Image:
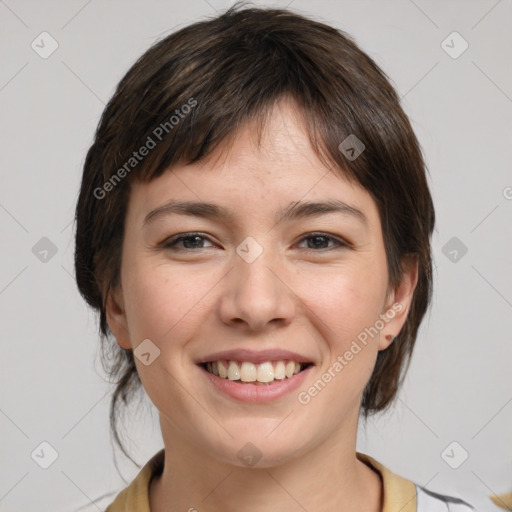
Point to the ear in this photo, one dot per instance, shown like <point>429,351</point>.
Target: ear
<point>399,301</point>
<point>116,318</point>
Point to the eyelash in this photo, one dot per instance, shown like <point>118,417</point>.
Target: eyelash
<point>172,242</point>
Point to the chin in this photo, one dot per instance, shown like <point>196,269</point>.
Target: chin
<point>253,449</point>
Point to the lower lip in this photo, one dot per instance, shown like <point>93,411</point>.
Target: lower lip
<point>248,392</point>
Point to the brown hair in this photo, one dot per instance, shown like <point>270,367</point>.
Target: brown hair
<point>228,70</point>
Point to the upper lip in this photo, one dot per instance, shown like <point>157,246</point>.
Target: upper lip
<point>254,356</point>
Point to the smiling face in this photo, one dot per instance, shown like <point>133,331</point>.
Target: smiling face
<point>258,275</point>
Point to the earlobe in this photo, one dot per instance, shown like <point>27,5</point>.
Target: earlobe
<point>399,302</point>
<point>388,339</point>
<point>116,319</point>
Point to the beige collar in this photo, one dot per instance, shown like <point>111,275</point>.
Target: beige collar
<point>399,493</point>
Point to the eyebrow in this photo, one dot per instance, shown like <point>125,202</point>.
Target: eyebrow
<point>295,210</point>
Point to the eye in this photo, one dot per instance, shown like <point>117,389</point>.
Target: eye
<point>190,241</point>
<point>316,242</point>
<point>320,240</point>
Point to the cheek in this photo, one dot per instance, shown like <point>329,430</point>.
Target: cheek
<point>346,302</point>
<point>347,305</point>
<point>162,305</point>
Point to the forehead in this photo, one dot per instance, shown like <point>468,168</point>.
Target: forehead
<point>256,175</point>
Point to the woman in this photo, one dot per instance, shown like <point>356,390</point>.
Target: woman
<point>253,228</point>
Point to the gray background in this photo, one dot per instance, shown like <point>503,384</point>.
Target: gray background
<point>459,387</point>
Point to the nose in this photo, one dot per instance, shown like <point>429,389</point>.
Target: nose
<point>256,294</point>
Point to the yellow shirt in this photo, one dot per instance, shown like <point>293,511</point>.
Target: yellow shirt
<point>400,495</point>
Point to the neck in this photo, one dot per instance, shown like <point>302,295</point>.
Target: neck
<point>325,479</point>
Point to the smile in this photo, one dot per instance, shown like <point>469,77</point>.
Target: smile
<point>248,372</point>
<point>241,380</point>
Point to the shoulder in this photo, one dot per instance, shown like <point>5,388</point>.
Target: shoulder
<point>401,494</point>
<point>135,497</point>
<point>428,501</point>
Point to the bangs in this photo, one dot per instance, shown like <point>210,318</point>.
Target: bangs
<point>185,102</point>
<point>197,140</point>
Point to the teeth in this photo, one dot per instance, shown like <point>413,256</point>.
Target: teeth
<point>223,369</point>
<point>279,370</point>
<point>265,372</point>
<point>233,371</point>
<point>249,372</point>
<point>290,368</point>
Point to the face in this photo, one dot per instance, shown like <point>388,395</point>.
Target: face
<point>265,285</point>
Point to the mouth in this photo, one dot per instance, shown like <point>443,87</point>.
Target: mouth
<point>266,373</point>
